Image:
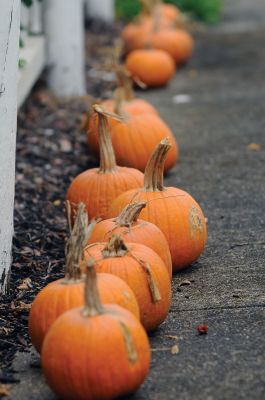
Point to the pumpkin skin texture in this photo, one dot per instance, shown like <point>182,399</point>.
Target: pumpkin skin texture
<point>174,211</point>
<point>151,66</point>
<point>98,187</point>
<point>140,134</point>
<point>132,107</point>
<point>177,42</point>
<point>95,352</point>
<point>60,296</point>
<point>134,230</point>
<point>153,308</point>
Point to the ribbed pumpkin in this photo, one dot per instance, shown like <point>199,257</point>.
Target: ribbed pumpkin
<point>151,66</point>
<point>67,293</point>
<point>142,269</point>
<point>95,352</point>
<point>98,187</point>
<point>134,230</point>
<point>158,35</point>
<point>135,136</point>
<point>163,15</point>
<point>123,103</point>
<point>173,210</point>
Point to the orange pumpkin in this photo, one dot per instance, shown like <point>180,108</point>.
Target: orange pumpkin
<point>95,352</point>
<point>123,103</point>
<point>67,293</point>
<point>142,269</point>
<point>157,34</point>
<point>134,230</point>
<point>173,210</point>
<point>151,66</point>
<point>98,187</point>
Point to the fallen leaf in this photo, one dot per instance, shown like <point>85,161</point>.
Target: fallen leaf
<point>175,349</point>
<point>4,390</point>
<point>185,282</point>
<point>66,145</point>
<point>254,146</point>
<point>171,337</point>
<point>26,284</point>
<point>57,202</point>
<point>20,306</point>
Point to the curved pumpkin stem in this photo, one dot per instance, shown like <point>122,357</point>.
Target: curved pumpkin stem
<point>130,213</point>
<point>74,249</point>
<point>107,155</point>
<point>125,82</point>
<point>93,305</point>
<point>115,247</point>
<point>154,170</point>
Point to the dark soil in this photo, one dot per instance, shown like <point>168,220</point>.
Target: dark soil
<point>51,151</point>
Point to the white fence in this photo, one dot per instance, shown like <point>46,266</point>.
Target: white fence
<point>53,36</point>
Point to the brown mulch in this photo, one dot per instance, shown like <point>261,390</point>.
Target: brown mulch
<point>51,151</point>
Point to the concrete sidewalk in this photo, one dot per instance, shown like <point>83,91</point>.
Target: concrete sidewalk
<point>216,108</point>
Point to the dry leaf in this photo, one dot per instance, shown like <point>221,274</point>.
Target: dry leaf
<point>20,305</point>
<point>26,284</point>
<point>171,337</point>
<point>254,147</point>
<point>185,282</point>
<point>175,349</point>
<point>4,390</point>
<point>57,202</point>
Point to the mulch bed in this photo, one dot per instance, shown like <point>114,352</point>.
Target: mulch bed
<point>51,151</point>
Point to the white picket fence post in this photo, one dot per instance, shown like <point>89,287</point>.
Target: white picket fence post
<point>9,44</point>
<point>64,30</point>
<point>102,9</point>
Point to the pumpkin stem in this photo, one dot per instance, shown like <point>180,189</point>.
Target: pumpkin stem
<point>124,91</point>
<point>154,170</point>
<point>79,235</point>
<point>107,155</point>
<point>115,247</point>
<point>131,350</point>
<point>130,213</point>
<point>156,296</point>
<point>93,305</point>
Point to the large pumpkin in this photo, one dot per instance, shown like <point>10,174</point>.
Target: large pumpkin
<point>98,187</point>
<point>134,230</point>
<point>95,352</point>
<point>173,210</point>
<point>142,269</point>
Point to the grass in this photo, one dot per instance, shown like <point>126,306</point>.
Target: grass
<point>205,10</point>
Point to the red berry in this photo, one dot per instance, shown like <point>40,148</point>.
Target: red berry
<point>202,329</point>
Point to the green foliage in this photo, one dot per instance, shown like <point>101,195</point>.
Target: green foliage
<point>27,3</point>
<point>205,10</point>
<point>22,63</point>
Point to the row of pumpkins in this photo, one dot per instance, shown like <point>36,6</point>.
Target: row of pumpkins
<point>90,327</point>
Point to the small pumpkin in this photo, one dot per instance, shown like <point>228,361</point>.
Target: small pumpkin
<point>134,230</point>
<point>173,210</point>
<point>95,352</point>
<point>142,269</point>
<point>98,187</point>
<point>67,293</point>
<point>135,136</point>
<point>163,15</point>
<point>123,103</point>
<point>153,67</point>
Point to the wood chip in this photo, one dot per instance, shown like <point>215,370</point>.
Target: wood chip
<point>26,284</point>
<point>254,147</point>
<point>185,282</point>
<point>175,349</point>
<point>4,390</point>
